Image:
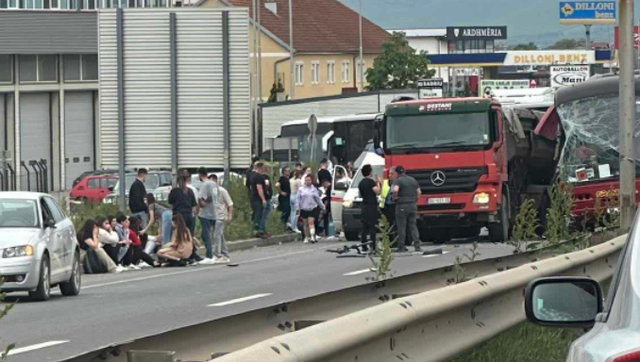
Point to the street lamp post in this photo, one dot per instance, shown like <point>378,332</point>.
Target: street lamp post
<point>361,61</point>
<point>627,115</point>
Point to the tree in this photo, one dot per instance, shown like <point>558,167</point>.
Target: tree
<point>529,46</point>
<point>398,67</point>
<point>568,44</point>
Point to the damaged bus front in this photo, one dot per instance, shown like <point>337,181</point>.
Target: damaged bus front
<point>586,119</point>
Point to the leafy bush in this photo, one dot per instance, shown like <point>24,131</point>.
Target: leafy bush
<point>559,212</point>
<point>526,224</point>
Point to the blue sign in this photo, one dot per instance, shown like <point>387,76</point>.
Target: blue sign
<point>588,12</point>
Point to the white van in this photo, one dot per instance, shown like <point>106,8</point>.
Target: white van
<point>345,196</point>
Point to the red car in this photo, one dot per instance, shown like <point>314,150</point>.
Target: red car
<point>94,188</point>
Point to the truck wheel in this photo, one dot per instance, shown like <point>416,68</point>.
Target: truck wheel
<point>499,232</point>
<point>352,235</point>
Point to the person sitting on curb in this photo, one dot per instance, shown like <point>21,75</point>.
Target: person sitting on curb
<point>181,245</point>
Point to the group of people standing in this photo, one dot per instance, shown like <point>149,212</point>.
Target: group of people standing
<point>398,198</point>
<point>301,195</point>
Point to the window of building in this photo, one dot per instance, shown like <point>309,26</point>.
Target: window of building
<point>361,68</point>
<point>6,69</point>
<point>331,72</point>
<point>345,71</point>
<point>489,46</point>
<point>38,68</point>
<point>299,73</point>
<point>315,72</point>
<point>79,68</point>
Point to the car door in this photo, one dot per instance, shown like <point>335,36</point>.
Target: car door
<point>93,188</point>
<point>53,241</point>
<point>338,189</point>
<point>65,237</point>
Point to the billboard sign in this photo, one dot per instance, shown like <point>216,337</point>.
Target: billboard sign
<point>588,12</point>
<point>487,86</point>
<point>567,75</point>
<point>636,37</point>
<point>430,88</point>
<point>476,32</point>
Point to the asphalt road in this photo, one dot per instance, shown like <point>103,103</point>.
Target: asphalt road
<point>114,308</point>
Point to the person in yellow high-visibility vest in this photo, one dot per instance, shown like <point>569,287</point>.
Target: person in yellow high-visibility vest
<point>388,205</point>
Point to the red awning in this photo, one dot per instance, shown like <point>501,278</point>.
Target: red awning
<point>548,125</point>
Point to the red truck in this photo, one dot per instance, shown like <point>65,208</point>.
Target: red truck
<point>475,161</point>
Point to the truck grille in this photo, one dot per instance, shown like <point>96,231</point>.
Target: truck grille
<point>456,180</point>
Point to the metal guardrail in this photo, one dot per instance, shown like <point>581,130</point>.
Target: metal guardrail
<point>221,336</point>
<point>431,326</point>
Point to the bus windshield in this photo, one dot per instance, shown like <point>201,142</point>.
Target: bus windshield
<point>592,138</point>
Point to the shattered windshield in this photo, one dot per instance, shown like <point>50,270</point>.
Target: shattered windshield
<point>591,148</point>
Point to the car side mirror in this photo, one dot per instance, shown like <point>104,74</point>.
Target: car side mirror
<point>570,302</point>
<point>49,224</point>
<point>111,189</point>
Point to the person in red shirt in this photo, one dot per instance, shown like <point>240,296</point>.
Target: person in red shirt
<point>136,250</point>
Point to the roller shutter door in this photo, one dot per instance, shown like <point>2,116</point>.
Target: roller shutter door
<point>78,131</point>
<point>35,134</point>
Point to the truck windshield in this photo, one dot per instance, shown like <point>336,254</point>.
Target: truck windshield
<point>438,130</point>
<point>592,138</point>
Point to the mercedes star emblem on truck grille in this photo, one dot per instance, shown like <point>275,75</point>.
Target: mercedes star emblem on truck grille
<point>438,178</point>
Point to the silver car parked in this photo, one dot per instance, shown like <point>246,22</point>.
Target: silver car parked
<point>579,303</point>
<point>38,246</point>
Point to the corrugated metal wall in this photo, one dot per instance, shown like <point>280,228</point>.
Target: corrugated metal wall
<point>147,88</point>
<point>274,115</point>
<point>48,32</point>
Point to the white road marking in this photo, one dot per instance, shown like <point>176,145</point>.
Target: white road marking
<point>34,347</point>
<point>194,270</point>
<point>434,255</point>
<point>358,272</point>
<point>240,300</point>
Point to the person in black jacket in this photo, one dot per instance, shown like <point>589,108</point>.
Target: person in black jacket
<point>183,201</point>
<point>137,193</point>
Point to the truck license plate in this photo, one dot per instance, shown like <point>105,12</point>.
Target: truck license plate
<point>439,200</point>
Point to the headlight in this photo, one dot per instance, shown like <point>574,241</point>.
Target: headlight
<point>481,198</point>
<point>347,204</point>
<point>17,251</point>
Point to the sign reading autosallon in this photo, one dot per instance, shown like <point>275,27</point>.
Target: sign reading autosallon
<point>566,75</point>
<point>476,32</point>
<point>550,57</point>
<point>588,12</point>
<point>488,85</point>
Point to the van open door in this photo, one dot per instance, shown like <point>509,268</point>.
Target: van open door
<point>339,188</point>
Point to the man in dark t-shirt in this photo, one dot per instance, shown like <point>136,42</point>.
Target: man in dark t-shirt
<point>406,191</point>
<point>369,191</point>
<point>325,180</point>
<point>284,197</point>
<point>137,193</point>
<point>261,193</point>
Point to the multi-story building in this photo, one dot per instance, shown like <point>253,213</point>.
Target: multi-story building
<point>49,87</point>
<point>325,43</point>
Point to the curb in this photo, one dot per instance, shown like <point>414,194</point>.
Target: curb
<point>240,245</point>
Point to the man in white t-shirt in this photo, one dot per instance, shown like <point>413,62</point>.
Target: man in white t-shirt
<point>224,215</point>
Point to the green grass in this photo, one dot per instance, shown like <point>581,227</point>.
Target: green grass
<point>525,342</point>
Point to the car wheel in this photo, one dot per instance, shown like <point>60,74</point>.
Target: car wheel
<point>43,291</point>
<point>72,286</point>
<point>352,235</point>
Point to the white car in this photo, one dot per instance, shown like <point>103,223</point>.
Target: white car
<point>345,196</point>
<point>38,246</point>
<point>578,303</point>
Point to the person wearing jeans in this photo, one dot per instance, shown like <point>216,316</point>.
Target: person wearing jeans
<point>224,215</point>
<point>406,192</point>
<point>261,193</point>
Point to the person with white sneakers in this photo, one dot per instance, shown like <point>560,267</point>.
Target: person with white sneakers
<point>309,204</point>
<point>224,215</point>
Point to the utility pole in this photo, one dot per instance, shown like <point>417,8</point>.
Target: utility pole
<point>361,65</point>
<point>627,95</point>
<point>587,29</point>
<point>292,67</point>
<point>254,95</point>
